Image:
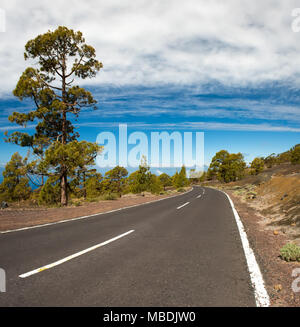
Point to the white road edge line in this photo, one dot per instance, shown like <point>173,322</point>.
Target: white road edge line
<point>183,205</point>
<point>199,196</point>
<point>70,257</point>
<point>89,216</point>
<point>261,295</point>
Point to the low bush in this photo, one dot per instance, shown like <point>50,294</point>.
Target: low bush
<point>111,196</point>
<point>290,252</point>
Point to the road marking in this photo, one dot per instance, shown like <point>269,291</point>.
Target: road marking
<point>261,295</point>
<point>199,196</point>
<point>70,257</point>
<point>93,215</point>
<point>183,205</point>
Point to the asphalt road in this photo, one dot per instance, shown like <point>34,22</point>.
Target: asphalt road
<point>179,254</point>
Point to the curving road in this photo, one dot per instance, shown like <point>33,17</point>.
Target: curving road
<point>182,251</point>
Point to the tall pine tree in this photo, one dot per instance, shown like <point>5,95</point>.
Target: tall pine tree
<point>63,57</point>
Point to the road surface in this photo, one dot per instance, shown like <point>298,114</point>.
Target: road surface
<point>181,251</point>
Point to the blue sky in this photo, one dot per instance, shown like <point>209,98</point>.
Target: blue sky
<point>228,70</point>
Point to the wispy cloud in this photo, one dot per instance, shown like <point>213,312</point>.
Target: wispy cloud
<point>16,127</point>
<point>194,126</point>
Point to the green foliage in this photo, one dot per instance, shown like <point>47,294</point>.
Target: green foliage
<point>257,166</point>
<point>292,156</point>
<point>210,174</point>
<point>143,180</point>
<point>139,181</point>
<point>74,157</point>
<point>71,156</point>
<point>105,186</point>
<point>290,252</point>
<point>132,185</point>
<point>179,179</point>
<point>227,167</point>
<point>15,185</point>
<point>175,178</point>
<point>216,164</point>
<point>116,177</point>
<point>79,184</point>
<point>93,187</point>
<point>270,160</point>
<point>50,192</point>
<point>111,196</point>
<point>284,157</point>
<point>155,186</point>
<point>165,180</point>
<point>295,155</point>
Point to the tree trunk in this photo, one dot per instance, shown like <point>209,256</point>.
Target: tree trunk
<point>63,191</point>
<point>64,180</point>
<point>84,188</point>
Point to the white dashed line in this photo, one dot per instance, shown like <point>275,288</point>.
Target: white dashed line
<point>59,262</point>
<point>183,205</point>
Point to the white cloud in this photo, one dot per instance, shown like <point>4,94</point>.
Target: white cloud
<point>162,41</point>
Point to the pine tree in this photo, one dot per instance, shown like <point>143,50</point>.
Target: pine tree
<point>180,180</point>
<point>15,185</point>
<point>116,177</point>
<point>295,154</point>
<point>165,180</point>
<point>257,166</point>
<point>227,167</point>
<point>62,56</point>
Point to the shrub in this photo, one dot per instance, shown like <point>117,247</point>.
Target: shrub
<point>155,186</point>
<point>290,252</point>
<point>50,192</point>
<point>92,187</point>
<point>179,179</point>
<point>110,196</point>
<point>76,202</point>
<point>257,166</point>
<point>15,184</point>
<point>295,155</point>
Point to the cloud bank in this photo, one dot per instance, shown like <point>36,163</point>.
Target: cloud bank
<point>228,65</point>
<point>164,42</point>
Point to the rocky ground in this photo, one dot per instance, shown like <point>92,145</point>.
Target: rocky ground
<point>266,244</point>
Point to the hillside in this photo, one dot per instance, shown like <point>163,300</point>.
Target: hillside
<point>275,195</point>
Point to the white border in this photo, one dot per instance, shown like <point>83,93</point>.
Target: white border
<point>261,295</point>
